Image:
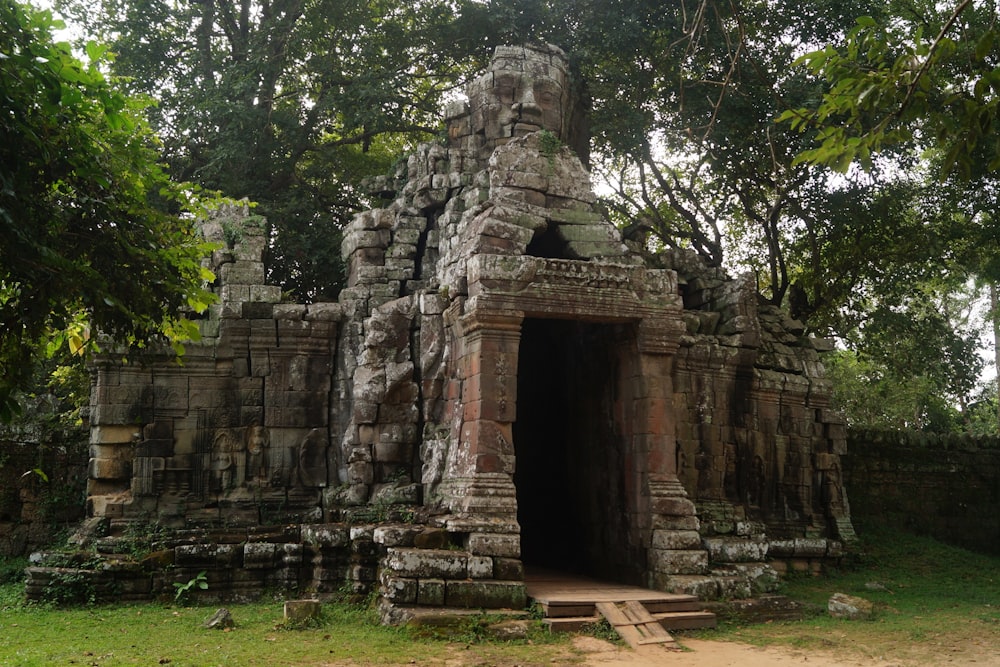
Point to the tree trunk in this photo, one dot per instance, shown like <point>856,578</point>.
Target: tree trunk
<point>995,318</point>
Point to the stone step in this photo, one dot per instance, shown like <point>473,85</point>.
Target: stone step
<point>736,549</point>
<point>633,622</point>
<point>679,620</point>
<point>655,602</point>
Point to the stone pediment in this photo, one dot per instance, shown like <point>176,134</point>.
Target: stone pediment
<point>542,287</point>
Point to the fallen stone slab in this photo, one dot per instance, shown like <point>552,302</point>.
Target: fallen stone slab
<point>850,607</point>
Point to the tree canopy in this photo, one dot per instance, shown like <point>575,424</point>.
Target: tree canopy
<point>88,239</point>
<point>293,104</point>
<point>288,103</point>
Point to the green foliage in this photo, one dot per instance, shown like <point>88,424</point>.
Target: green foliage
<point>308,623</point>
<point>139,539</point>
<point>602,629</point>
<point>913,364</point>
<point>86,244</point>
<point>12,569</point>
<point>182,590</point>
<point>290,107</point>
<point>870,395</point>
<point>929,77</point>
<point>72,580</point>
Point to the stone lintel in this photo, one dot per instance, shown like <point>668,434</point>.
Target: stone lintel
<point>572,289</point>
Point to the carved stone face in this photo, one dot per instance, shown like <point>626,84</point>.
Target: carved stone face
<point>525,90</point>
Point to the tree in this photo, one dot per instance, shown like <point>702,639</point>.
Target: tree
<point>929,77</point>
<point>926,83</point>
<point>288,103</point>
<point>914,362</point>
<point>88,243</point>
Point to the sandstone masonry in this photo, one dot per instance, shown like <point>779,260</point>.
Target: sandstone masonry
<point>503,383</point>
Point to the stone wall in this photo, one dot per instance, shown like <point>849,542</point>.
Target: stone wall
<point>758,445</point>
<point>944,486</point>
<point>33,511</point>
<point>236,433</point>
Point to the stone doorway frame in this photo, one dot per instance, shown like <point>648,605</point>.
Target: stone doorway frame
<point>478,488</point>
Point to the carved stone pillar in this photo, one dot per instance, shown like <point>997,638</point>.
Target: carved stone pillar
<point>481,472</point>
<point>675,544</point>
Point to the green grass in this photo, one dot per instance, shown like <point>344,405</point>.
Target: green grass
<point>932,601</point>
<point>150,634</point>
<point>935,604</point>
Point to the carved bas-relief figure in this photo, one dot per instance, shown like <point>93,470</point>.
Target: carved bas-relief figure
<point>257,456</point>
<point>227,462</point>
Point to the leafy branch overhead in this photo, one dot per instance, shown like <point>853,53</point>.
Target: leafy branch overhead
<point>92,236</point>
<point>932,79</point>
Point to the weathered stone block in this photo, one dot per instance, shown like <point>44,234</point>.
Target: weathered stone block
<point>736,550</point>
<point>265,293</point>
<point>208,556</point>
<point>399,590</point>
<point>509,569</point>
<point>432,563</point>
<point>431,592</point>
<point>676,539</point>
<point>486,594</point>
<point>480,567</point>
<point>431,538</point>
<point>673,506</point>
<point>734,588</point>
<point>672,561</point>
<point>106,469</point>
<point>325,535</point>
<point>850,607</point>
<point>112,434</point>
<point>324,312</point>
<point>810,547</point>
<point>492,544</point>
<point>395,535</point>
<point>299,612</point>
<point>260,555</point>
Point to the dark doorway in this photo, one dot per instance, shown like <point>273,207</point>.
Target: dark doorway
<point>570,444</point>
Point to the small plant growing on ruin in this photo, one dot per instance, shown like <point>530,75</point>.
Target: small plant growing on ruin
<point>549,145</point>
<point>181,590</point>
<point>139,539</point>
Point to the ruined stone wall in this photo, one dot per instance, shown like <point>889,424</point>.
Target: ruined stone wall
<point>946,486</point>
<point>758,446</point>
<point>34,510</point>
<point>237,432</point>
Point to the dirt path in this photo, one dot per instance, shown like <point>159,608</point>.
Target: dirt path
<point>701,653</point>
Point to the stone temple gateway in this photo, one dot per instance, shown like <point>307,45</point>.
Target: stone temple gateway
<point>503,383</point>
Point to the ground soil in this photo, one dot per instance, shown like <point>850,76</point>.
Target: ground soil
<point>702,653</point>
<point>592,652</point>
